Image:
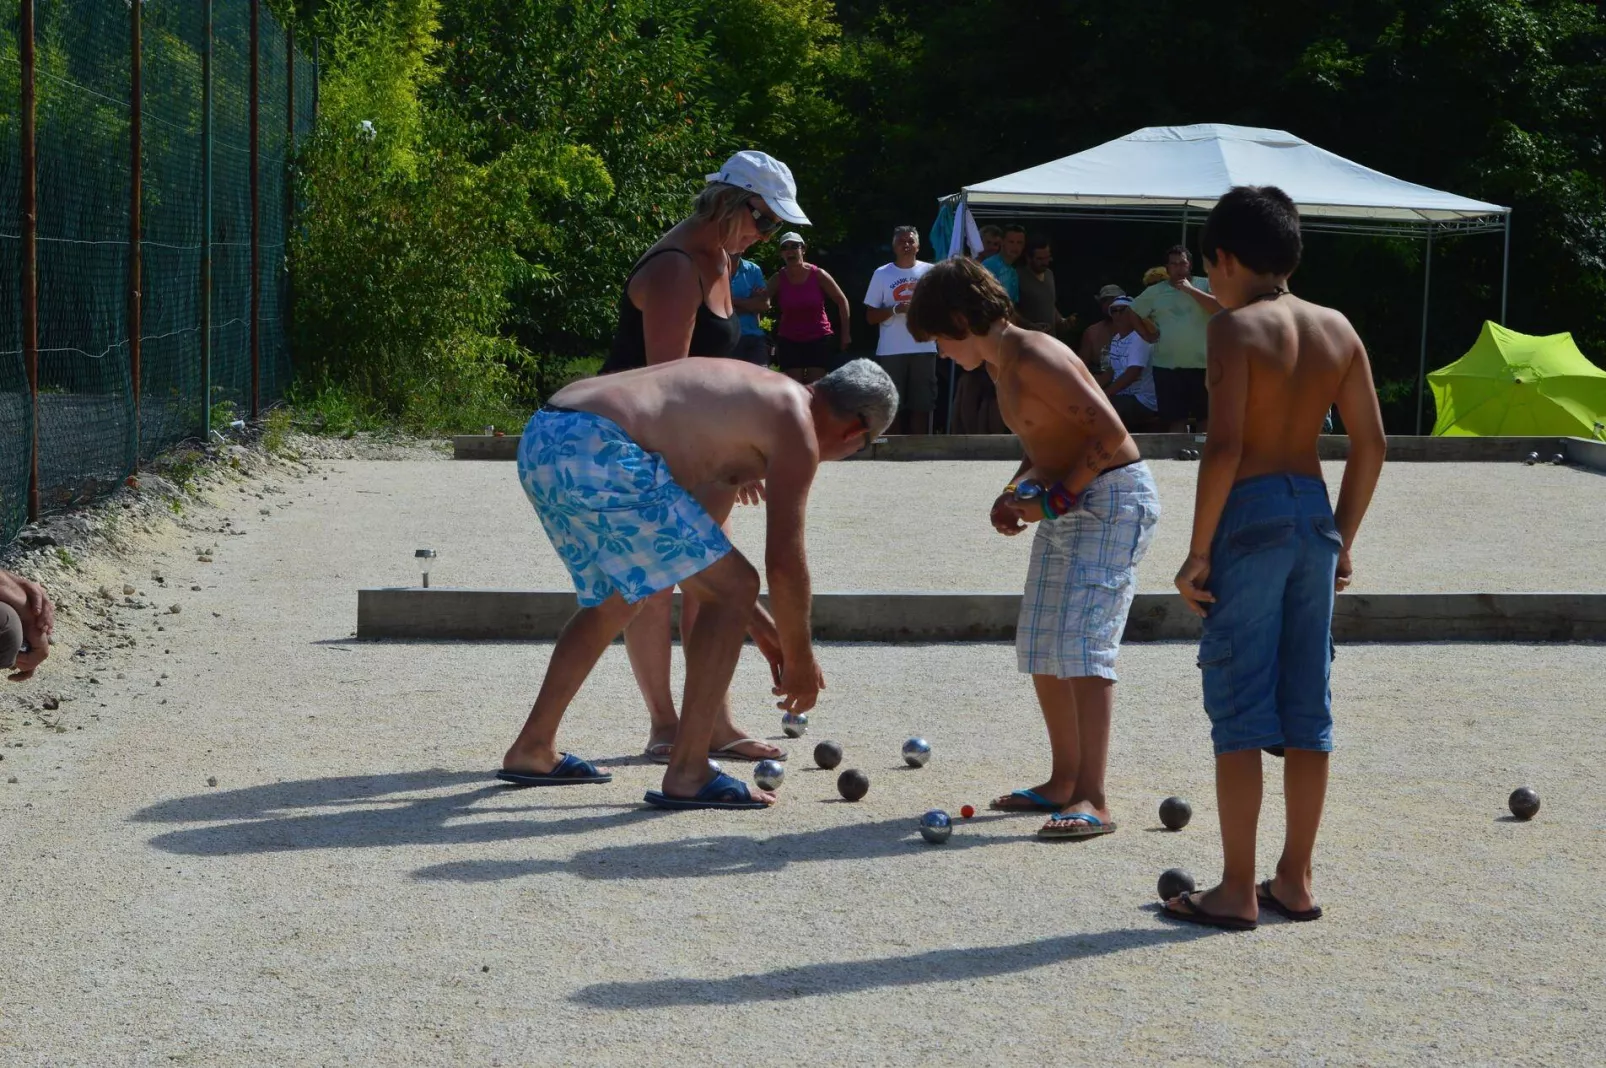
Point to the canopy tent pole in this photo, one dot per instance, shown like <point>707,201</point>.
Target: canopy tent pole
<point>1422,359</point>
<point>1184,226</point>
<point>1505,269</point>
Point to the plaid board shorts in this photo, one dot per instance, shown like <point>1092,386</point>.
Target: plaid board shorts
<point>1080,584</point>
<point>612,510</point>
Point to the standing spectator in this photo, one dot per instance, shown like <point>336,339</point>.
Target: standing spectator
<point>750,299</point>
<point>975,395</point>
<point>1129,381</point>
<point>803,339</point>
<point>1173,315</point>
<point>1002,265</point>
<point>911,364</point>
<point>27,619</point>
<point>1096,338</point>
<point>992,239</point>
<point>1039,300</point>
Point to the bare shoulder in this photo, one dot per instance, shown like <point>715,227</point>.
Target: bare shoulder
<point>667,269</point>
<point>783,405</point>
<point>1043,362</point>
<point>1333,320</point>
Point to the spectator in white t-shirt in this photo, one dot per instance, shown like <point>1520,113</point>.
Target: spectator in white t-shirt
<point>912,364</point>
<point>1129,380</point>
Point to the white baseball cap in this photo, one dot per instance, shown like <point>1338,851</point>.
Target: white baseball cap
<point>791,237</point>
<point>769,178</point>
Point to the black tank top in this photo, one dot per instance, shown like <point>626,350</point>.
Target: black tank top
<point>710,335</point>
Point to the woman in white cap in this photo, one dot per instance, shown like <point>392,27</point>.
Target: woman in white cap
<point>804,347</point>
<point>677,299</point>
<point>677,303</point>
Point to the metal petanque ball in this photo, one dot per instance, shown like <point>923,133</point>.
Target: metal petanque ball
<point>853,784</point>
<point>1533,458</point>
<point>1175,813</point>
<point>916,751</point>
<point>1524,802</point>
<point>1558,459</point>
<point>936,826</point>
<point>795,724</point>
<point>1174,881</point>
<point>828,755</point>
<point>769,774</point>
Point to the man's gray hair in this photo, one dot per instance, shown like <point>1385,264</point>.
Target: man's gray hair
<point>860,389</point>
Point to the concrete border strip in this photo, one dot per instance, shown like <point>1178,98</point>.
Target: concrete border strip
<point>917,447</point>
<point>534,615</point>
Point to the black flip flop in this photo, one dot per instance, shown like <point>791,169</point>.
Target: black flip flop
<point>1195,914</point>
<point>570,771</point>
<point>1268,900</point>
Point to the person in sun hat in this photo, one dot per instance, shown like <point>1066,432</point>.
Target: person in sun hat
<point>677,302</point>
<point>1092,348</point>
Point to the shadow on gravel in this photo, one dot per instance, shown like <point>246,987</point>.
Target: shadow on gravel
<point>848,977</point>
<point>698,857</point>
<point>274,818</point>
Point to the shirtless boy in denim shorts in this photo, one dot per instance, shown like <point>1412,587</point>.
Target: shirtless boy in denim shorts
<point>1268,553</point>
<point>1095,504</point>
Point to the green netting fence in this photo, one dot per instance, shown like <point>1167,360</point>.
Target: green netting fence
<point>104,395</point>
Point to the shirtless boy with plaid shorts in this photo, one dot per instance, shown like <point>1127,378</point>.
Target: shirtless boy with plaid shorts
<point>1095,504</point>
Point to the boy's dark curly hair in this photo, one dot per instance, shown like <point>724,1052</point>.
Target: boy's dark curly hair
<point>956,297</point>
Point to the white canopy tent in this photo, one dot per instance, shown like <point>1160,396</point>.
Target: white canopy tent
<point>1169,173</point>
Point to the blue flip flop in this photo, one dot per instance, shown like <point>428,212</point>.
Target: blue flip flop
<point>570,771</point>
<point>1085,825</point>
<point>1038,803</point>
<point>722,791</point>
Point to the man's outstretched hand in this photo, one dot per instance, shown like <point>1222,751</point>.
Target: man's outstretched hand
<point>800,686</point>
<point>751,492</point>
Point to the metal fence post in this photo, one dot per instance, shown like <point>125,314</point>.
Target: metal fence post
<point>30,249</point>
<point>206,226</point>
<point>256,215</point>
<point>287,298</point>
<point>135,180</point>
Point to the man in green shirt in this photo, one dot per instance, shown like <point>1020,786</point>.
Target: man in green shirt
<point>1172,315</point>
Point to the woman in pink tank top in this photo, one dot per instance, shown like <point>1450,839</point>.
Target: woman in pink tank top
<point>804,347</point>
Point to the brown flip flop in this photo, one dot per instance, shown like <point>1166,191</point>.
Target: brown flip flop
<point>1194,913</point>
<point>1268,900</point>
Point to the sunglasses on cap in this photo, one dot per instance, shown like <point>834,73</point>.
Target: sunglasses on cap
<point>767,224</point>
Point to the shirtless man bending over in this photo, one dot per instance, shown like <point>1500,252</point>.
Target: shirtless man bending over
<point>1268,552</point>
<point>614,466</point>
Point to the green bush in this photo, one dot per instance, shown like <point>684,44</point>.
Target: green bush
<point>414,232</point>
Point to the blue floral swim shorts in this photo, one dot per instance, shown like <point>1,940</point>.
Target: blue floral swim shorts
<point>611,509</point>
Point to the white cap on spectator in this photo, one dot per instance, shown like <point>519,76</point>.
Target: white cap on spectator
<point>769,178</point>
<point>1121,302</point>
<point>791,237</point>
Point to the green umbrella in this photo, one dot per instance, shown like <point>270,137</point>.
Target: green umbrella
<point>1518,385</point>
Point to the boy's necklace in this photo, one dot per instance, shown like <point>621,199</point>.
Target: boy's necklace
<point>1271,294</point>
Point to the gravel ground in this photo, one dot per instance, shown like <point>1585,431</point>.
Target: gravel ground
<point>354,887</point>
<point>1432,527</point>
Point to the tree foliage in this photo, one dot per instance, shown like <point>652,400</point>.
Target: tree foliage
<point>527,151</point>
